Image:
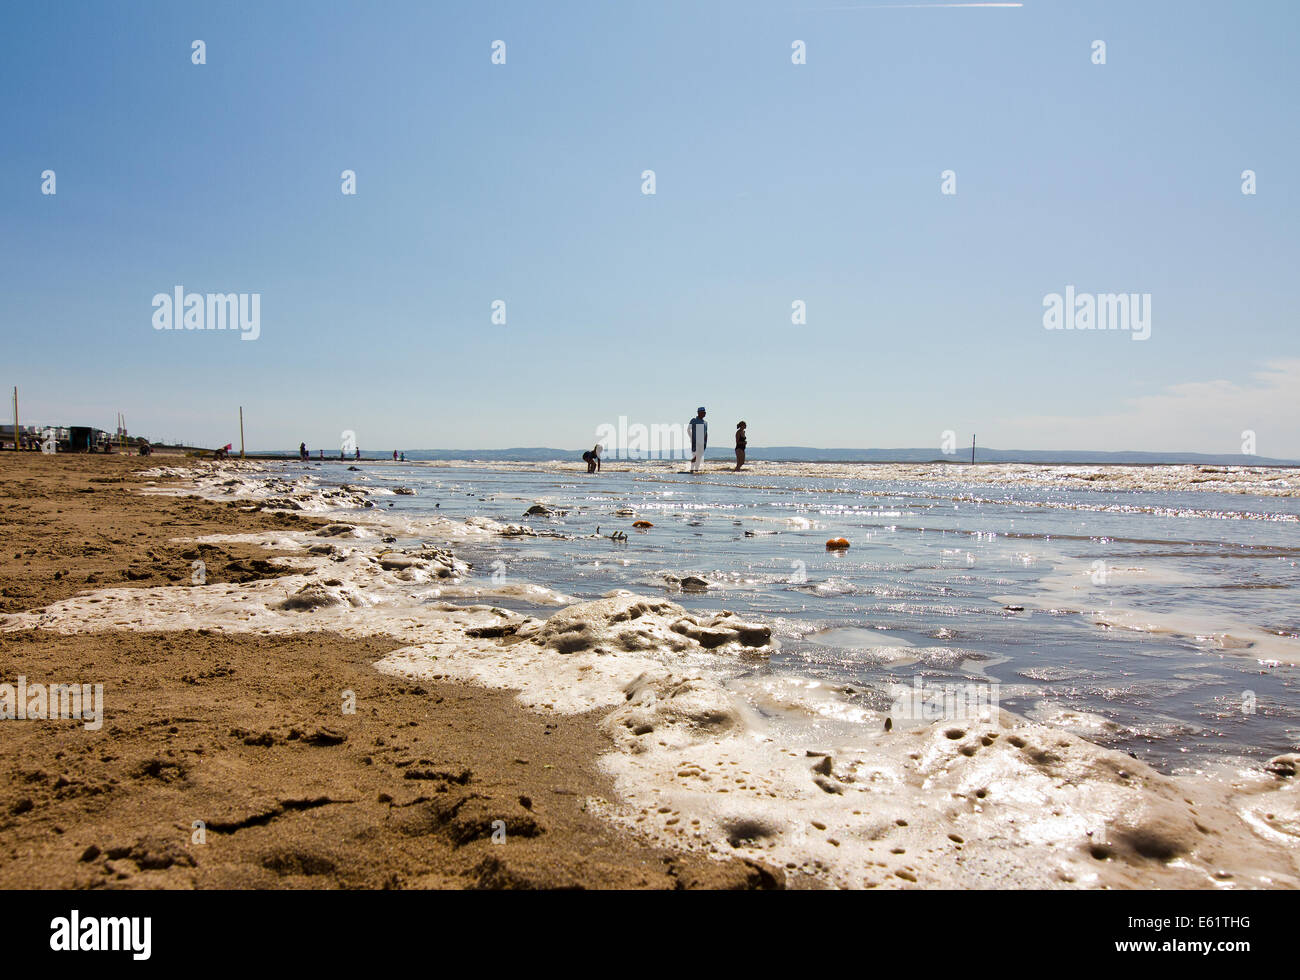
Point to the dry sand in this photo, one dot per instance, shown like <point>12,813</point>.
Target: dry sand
<point>246,733</point>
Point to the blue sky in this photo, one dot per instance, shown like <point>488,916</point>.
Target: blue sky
<point>775,182</point>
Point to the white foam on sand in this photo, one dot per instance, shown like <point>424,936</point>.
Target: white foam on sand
<point>711,751</point>
<point>794,776</point>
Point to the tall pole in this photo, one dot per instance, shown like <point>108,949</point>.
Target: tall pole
<point>241,431</point>
<point>972,449</point>
<point>16,443</point>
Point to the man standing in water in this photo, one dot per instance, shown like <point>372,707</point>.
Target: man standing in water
<point>699,438</point>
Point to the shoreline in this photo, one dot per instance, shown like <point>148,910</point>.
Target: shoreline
<point>246,733</point>
<point>997,802</point>
<point>720,456</point>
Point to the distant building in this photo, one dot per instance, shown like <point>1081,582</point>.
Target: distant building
<point>67,438</point>
<point>27,434</point>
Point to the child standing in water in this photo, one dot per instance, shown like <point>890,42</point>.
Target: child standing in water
<point>741,443</point>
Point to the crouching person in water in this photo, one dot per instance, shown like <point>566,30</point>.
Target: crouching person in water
<point>592,458</point>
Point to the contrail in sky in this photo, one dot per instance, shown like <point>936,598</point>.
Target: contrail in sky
<point>898,6</point>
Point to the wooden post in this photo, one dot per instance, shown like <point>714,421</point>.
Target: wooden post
<point>972,449</point>
<point>16,442</point>
<point>241,431</point>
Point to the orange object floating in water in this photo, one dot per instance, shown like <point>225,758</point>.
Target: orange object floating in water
<point>642,524</point>
<point>837,544</point>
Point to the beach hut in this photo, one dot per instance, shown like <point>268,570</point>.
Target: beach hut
<point>79,438</point>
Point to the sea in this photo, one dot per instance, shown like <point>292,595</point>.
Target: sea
<point>1162,622</point>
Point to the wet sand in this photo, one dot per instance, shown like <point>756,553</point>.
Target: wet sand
<point>228,761</point>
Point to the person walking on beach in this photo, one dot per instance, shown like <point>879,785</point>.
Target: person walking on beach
<point>302,451</point>
<point>741,443</point>
<point>699,438</point>
<point>592,458</point>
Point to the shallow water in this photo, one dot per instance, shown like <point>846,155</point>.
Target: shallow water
<point>1161,623</point>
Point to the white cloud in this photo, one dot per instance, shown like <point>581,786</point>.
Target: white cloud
<point>1198,416</point>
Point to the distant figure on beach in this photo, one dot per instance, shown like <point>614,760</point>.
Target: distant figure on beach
<point>358,455</point>
<point>741,443</point>
<point>699,438</point>
<point>592,458</point>
<point>403,457</point>
<point>302,452</point>
<point>394,455</point>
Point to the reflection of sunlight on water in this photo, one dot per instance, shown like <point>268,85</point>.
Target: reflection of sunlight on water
<point>1193,583</point>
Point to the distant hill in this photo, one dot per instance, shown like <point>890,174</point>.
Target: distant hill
<point>806,454</point>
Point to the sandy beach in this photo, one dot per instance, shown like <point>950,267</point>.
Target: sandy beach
<point>245,734</point>
<point>592,742</point>
<point>847,450</point>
